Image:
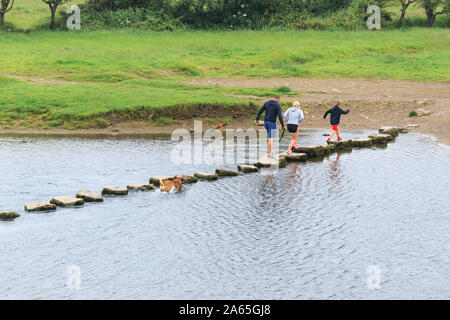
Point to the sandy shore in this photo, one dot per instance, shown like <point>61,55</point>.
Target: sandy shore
<point>373,103</point>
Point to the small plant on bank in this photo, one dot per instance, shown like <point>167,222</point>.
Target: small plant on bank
<point>163,121</point>
<point>413,113</point>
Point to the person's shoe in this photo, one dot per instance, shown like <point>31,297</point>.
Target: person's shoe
<point>328,141</point>
<point>339,138</point>
<point>288,151</point>
<point>297,146</point>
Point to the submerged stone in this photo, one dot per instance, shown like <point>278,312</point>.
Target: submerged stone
<point>155,179</point>
<point>206,176</point>
<point>115,190</point>
<point>65,201</point>
<point>247,168</point>
<point>8,216</point>
<point>141,187</point>
<point>226,173</point>
<point>39,206</point>
<point>89,196</point>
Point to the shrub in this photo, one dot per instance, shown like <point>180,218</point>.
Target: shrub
<point>413,113</point>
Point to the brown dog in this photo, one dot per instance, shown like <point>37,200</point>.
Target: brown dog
<point>167,185</point>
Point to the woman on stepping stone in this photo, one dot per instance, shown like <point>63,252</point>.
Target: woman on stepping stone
<point>293,116</point>
<point>335,118</point>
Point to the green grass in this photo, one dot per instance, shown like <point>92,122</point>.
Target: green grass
<point>109,71</point>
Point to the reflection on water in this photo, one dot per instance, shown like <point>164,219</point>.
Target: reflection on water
<point>307,231</point>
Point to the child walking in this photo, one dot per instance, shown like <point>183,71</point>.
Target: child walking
<point>293,116</point>
<point>335,118</point>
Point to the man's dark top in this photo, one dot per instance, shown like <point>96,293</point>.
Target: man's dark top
<point>272,109</point>
<point>335,115</point>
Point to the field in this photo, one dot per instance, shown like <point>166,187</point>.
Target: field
<point>74,79</point>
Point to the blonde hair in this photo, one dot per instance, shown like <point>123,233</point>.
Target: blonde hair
<point>296,104</point>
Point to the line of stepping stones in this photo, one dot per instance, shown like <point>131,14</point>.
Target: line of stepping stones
<point>385,135</point>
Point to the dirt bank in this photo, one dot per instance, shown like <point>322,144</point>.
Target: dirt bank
<point>373,103</point>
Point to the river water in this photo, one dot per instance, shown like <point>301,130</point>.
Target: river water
<point>370,224</point>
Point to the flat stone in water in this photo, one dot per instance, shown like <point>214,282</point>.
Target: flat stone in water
<point>141,187</point>
<point>66,201</point>
<point>381,138</point>
<point>226,173</point>
<point>206,176</point>
<point>342,144</point>
<point>114,190</point>
<point>8,215</point>
<point>155,179</point>
<point>295,156</point>
<point>39,206</point>
<point>393,131</point>
<point>247,168</point>
<point>187,179</point>
<point>89,196</point>
<point>312,151</point>
<point>362,143</point>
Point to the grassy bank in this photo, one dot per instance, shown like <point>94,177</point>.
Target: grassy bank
<point>78,79</point>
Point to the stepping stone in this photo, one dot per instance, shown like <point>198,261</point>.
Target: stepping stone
<point>8,216</point>
<point>155,179</point>
<point>141,187</point>
<point>39,206</point>
<point>329,149</point>
<point>89,196</point>
<point>115,190</point>
<point>266,162</point>
<point>187,179</point>
<point>247,168</point>
<point>362,143</point>
<point>65,201</point>
<point>381,138</point>
<point>393,131</point>
<point>206,176</point>
<point>312,151</point>
<point>409,126</point>
<point>295,156</point>
<point>226,173</point>
<point>343,144</point>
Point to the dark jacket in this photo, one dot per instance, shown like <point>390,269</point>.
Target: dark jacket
<point>335,114</point>
<point>273,110</point>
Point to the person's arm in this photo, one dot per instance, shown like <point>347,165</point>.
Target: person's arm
<point>301,117</point>
<point>344,112</point>
<point>286,114</point>
<point>280,116</point>
<point>326,113</point>
<point>263,108</point>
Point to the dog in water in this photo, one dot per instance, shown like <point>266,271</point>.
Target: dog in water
<point>167,185</point>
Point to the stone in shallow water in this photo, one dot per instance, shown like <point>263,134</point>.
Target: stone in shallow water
<point>312,151</point>
<point>342,144</point>
<point>115,190</point>
<point>362,143</point>
<point>226,173</point>
<point>155,179</point>
<point>246,168</point>
<point>295,156</point>
<point>187,179</point>
<point>206,176</point>
<point>141,187</point>
<point>89,196</point>
<point>275,161</point>
<point>381,138</point>
<point>39,206</point>
<point>393,131</point>
<point>8,216</point>
<point>65,201</point>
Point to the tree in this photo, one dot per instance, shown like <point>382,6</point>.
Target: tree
<point>6,5</point>
<point>405,4</point>
<point>431,7</point>
<point>53,5</point>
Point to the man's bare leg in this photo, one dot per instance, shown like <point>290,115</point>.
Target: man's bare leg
<point>270,146</point>
<point>331,135</point>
